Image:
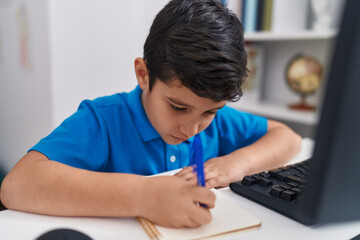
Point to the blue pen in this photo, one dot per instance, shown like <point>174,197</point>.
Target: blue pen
<point>198,155</point>
<point>199,161</point>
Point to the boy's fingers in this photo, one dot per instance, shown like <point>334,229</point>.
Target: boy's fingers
<point>184,171</point>
<point>211,183</point>
<point>217,182</point>
<point>210,173</point>
<point>204,196</point>
<point>188,176</point>
<point>201,216</point>
<point>187,173</point>
<point>192,180</point>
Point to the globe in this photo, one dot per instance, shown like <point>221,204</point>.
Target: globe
<point>304,75</point>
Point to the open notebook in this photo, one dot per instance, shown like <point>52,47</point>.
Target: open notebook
<point>227,217</point>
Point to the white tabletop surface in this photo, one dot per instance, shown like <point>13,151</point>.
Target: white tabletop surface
<point>20,225</point>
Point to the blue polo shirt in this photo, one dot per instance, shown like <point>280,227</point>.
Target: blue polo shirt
<point>113,134</point>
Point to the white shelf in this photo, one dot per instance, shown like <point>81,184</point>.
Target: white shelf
<point>276,111</point>
<point>286,36</point>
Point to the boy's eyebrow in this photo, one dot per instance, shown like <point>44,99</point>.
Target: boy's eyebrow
<point>178,102</point>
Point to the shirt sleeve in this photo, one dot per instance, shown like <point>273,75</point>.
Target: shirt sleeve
<point>238,129</point>
<point>80,141</point>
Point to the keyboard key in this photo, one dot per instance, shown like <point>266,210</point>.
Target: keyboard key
<point>297,190</point>
<point>256,176</point>
<point>285,186</point>
<point>305,165</point>
<point>282,175</point>
<point>300,175</point>
<point>276,190</point>
<point>293,184</point>
<point>294,179</point>
<point>265,182</point>
<point>273,172</point>
<point>265,174</point>
<point>287,195</point>
<point>248,181</point>
<point>284,168</point>
<point>301,169</point>
<point>298,164</point>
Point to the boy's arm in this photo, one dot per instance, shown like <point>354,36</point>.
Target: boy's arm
<point>274,149</point>
<point>39,185</point>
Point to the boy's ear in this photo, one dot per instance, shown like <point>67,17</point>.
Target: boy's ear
<point>141,72</point>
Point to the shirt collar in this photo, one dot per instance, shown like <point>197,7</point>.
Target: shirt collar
<point>190,140</point>
<point>142,123</point>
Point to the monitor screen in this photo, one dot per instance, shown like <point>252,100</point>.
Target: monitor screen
<point>334,192</point>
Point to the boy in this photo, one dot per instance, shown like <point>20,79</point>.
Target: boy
<point>91,165</point>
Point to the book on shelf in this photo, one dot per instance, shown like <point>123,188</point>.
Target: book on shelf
<point>267,15</point>
<point>227,217</point>
<point>250,15</point>
<point>273,15</point>
<point>256,15</point>
<point>260,15</point>
<point>255,64</point>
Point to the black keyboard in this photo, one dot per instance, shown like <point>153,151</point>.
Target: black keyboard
<point>279,189</point>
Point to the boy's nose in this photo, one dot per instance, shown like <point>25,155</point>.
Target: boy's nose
<point>189,130</point>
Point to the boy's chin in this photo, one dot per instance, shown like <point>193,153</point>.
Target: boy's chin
<point>172,140</point>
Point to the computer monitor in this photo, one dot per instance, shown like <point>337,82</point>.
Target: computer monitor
<point>333,192</point>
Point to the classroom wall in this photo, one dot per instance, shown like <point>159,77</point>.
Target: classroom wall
<point>75,50</point>
<point>94,44</point>
<point>24,78</point>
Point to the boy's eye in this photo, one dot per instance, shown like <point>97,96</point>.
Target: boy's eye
<point>177,108</point>
<point>210,112</point>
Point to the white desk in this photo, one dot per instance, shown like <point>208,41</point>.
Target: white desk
<point>19,225</point>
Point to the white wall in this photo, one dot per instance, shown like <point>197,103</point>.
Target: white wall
<point>24,91</point>
<point>79,49</point>
<point>94,44</point>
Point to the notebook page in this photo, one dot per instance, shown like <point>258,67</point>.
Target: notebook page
<point>227,217</point>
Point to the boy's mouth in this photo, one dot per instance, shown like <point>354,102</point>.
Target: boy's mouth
<point>179,139</point>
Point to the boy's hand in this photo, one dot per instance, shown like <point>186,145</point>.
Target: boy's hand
<point>219,172</point>
<point>173,202</point>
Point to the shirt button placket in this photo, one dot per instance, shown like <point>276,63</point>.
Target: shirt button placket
<point>172,157</point>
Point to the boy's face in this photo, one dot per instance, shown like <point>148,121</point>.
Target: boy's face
<point>176,112</point>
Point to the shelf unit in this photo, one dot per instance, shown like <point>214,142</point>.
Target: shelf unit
<point>290,36</point>
<point>275,95</point>
<point>277,111</point>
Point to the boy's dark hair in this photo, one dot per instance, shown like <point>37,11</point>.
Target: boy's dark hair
<point>201,42</point>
